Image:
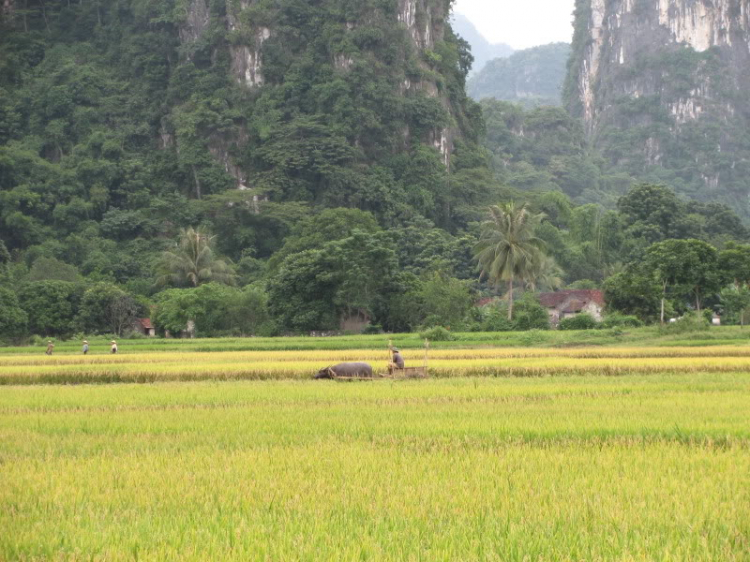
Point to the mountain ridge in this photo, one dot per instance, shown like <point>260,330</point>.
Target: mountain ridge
<point>531,77</point>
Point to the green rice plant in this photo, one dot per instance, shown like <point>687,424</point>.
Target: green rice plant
<point>638,467</point>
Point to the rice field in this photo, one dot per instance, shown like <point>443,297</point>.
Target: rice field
<point>236,455</point>
<point>151,367</point>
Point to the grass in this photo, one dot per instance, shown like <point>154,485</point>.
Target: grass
<point>649,337</point>
<point>638,467</point>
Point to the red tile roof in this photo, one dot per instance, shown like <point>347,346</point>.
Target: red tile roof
<point>554,300</point>
<point>146,323</point>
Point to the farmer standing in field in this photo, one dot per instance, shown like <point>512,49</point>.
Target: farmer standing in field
<point>85,347</point>
<point>50,347</point>
<point>114,346</point>
<point>398,359</point>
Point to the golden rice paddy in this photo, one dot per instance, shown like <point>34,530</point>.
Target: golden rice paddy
<point>542,460</point>
<point>263,365</point>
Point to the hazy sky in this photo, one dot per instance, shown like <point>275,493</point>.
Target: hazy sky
<point>520,23</point>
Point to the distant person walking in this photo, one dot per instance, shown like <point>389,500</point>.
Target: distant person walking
<point>114,346</point>
<point>85,347</point>
<point>50,347</point>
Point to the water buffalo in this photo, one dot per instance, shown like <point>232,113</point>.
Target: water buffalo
<point>346,370</point>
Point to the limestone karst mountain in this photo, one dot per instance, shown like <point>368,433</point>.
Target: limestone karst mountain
<point>661,86</point>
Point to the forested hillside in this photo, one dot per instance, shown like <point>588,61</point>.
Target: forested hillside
<point>531,77</point>
<point>277,166</point>
<point>122,124</point>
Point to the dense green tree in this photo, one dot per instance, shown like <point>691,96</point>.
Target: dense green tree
<point>508,249</point>
<point>651,211</point>
<point>316,289</point>
<point>51,269</point>
<point>313,231</point>
<point>634,292</point>
<point>13,319</point>
<point>365,264</point>
<point>248,312</point>
<point>51,306</point>
<point>669,264</point>
<point>445,301</point>
<point>404,311</point>
<point>704,275</point>
<point>4,257</point>
<point>546,275</point>
<point>734,263</point>
<point>301,293</point>
<point>202,311</point>
<point>122,124</point>
<point>105,308</point>
<point>735,301</point>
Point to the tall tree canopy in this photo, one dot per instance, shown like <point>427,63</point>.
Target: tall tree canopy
<point>193,262</point>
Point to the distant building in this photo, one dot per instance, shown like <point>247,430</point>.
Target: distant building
<point>567,304</point>
<point>144,326</point>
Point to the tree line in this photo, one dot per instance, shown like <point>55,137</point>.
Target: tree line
<point>340,265</point>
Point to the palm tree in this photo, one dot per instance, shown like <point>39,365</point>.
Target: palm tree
<point>508,249</point>
<point>192,262</point>
<point>547,275</point>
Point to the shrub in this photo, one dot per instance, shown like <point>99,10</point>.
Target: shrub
<point>372,329</point>
<point>619,320</point>
<point>580,322</point>
<point>438,333</point>
<point>496,320</point>
<point>532,338</point>
<point>691,322</point>
<point>529,314</point>
<point>134,335</point>
<point>37,340</point>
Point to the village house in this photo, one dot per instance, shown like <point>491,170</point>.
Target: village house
<point>144,326</point>
<point>567,304</point>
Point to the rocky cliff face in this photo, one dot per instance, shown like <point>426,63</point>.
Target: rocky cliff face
<point>661,85</point>
<point>252,24</point>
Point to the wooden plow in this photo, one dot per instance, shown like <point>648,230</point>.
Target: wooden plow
<point>394,373</point>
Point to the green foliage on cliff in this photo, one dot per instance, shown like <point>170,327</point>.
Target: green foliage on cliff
<point>125,122</point>
<point>544,149</point>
